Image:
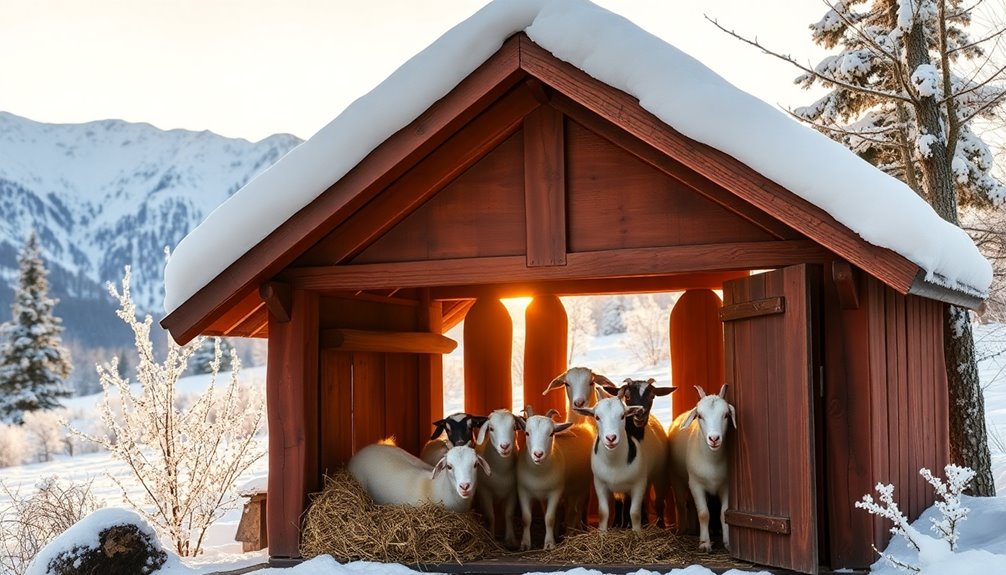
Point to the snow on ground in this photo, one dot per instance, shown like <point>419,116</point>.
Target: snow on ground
<point>983,530</point>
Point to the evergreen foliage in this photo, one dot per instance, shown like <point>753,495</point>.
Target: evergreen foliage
<point>876,88</point>
<point>33,362</point>
<point>202,360</point>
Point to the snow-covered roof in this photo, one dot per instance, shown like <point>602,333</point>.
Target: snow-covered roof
<point>668,83</point>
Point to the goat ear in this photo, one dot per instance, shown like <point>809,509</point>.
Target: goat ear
<point>438,430</point>
<point>584,411</point>
<point>688,420</point>
<point>483,464</point>
<point>477,420</point>
<point>662,390</point>
<point>528,411</point>
<point>482,435</point>
<point>723,390</point>
<point>622,391</point>
<point>702,392</point>
<point>562,427</point>
<point>559,381</point>
<point>610,390</point>
<point>733,415</point>
<point>600,380</point>
<point>519,422</point>
<point>439,466</point>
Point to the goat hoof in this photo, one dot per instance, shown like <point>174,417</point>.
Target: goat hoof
<point>705,546</point>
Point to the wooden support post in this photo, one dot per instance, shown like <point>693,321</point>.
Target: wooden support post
<point>431,367</point>
<point>696,347</point>
<point>488,337</point>
<point>293,398</point>
<point>544,352</point>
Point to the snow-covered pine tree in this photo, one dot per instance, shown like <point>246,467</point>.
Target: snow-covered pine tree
<point>904,87</point>
<point>33,363</point>
<point>202,360</point>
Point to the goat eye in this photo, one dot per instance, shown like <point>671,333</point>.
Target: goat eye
<point>597,417</point>
<point>551,434</point>
<point>490,429</point>
<point>699,417</point>
<point>450,467</point>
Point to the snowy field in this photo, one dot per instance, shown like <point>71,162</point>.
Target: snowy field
<point>608,354</point>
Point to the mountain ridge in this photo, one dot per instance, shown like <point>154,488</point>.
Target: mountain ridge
<point>109,193</point>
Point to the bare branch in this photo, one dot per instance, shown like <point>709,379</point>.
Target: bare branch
<point>811,71</point>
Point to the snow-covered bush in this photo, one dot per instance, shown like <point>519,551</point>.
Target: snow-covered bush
<point>930,549</point>
<point>108,541</point>
<point>30,522</point>
<point>185,460</point>
<point>12,445</point>
<point>45,433</point>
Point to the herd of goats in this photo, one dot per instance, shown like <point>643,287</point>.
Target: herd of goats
<point>609,439</point>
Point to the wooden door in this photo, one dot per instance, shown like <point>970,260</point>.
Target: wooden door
<point>769,357</point>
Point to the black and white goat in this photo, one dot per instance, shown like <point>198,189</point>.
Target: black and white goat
<point>642,393</point>
<point>458,429</point>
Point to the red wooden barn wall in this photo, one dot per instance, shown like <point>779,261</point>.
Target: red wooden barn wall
<point>885,410</point>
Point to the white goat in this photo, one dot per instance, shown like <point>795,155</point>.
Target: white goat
<point>457,429</point>
<point>501,454</point>
<point>391,475</point>
<point>581,389</point>
<point>541,473</point>
<point>699,464</point>
<point>627,464</point>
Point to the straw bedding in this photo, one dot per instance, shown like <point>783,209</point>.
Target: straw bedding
<point>343,522</point>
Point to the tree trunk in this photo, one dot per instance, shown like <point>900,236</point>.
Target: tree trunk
<point>968,437</point>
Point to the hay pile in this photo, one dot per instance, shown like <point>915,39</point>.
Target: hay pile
<point>619,547</point>
<point>343,522</point>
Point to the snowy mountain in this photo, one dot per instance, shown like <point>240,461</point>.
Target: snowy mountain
<point>105,194</point>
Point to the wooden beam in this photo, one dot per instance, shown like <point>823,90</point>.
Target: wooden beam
<point>382,166</point>
<point>624,110</point>
<point>652,284</point>
<point>636,262</point>
<point>277,298</point>
<point>386,341</point>
<point>545,187</point>
<point>845,282</point>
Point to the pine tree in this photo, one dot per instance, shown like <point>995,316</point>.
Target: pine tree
<point>33,363</point>
<point>904,88</point>
<point>202,359</point>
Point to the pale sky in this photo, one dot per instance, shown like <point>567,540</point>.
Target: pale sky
<point>251,68</point>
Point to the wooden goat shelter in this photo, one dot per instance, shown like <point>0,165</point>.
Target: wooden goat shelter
<point>531,178</point>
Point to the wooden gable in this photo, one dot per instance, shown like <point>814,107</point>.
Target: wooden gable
<point>530,171</point>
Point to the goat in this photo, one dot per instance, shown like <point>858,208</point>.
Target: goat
<point>500,454</point>
<point>642,393</point>
<point>541,472</point>
<point>458,428</point>
<point>581,389</point>
<point>699,464</point>
<point>391,475</point>
<point>626,464</point>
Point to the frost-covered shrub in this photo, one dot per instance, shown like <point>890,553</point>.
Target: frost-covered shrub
<point>45,434</point>
<point>184,460</point>
<point>109,541</point>
<point>30,522</point>
<point>952,513</point>
<point>647,330</point>
<point>12,445</point>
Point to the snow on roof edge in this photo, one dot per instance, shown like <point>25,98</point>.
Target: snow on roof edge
<point>672,85</point>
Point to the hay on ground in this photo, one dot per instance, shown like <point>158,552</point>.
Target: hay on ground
<point>653,546</point>
<point>343,522</point>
